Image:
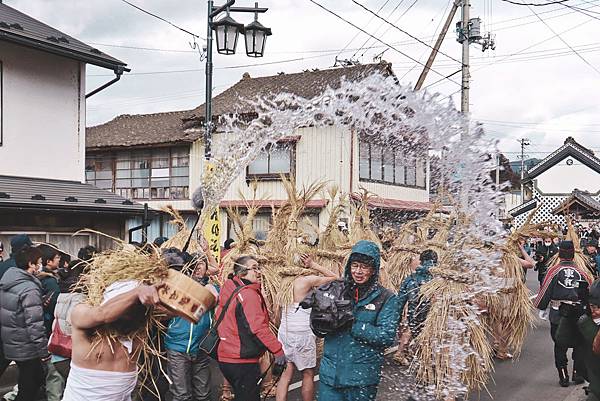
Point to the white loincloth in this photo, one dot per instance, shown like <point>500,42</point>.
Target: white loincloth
<point>99,385</point>
<point>298,340</point>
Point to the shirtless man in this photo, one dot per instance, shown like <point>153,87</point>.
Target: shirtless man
<point>299,342</point>
<point>108,372</point>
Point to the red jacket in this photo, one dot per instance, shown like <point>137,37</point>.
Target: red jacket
<point>245,333</point>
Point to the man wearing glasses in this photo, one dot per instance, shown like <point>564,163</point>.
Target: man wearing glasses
<point>353,357</point>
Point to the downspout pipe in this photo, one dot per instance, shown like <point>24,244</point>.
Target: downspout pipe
<point>118,72</point>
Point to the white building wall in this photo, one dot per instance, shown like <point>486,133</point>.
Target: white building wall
<point>563,178</point>
<point>43,114</point>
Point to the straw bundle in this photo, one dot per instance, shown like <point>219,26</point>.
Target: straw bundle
<point>332,238</point>
<point>360,229</point>
<point>183,233</point>
<point>453,355</point>
<point>127,263</point>
<point>580,259</point>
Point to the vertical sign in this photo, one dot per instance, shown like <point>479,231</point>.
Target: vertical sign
<point>212,224</point>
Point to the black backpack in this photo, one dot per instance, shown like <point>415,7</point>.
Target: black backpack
<point>331,308</point>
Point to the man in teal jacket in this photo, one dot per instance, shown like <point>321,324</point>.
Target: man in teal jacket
<point>352,358</point>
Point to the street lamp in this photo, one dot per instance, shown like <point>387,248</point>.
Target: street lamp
<point>256,36</point>
<point>227,30</point>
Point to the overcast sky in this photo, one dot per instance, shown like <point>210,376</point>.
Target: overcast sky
<point>533,85</point>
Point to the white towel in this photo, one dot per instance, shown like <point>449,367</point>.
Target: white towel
<point>99,385</point>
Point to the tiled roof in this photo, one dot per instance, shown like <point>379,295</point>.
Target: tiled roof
<point>140,129</point>
<point>396,204</point>
<point>307,84</point>
<point>54,195</point>
<point>162,128</point>
<point>570,148</point>
<point>20,28</point>
<point>583,198</point>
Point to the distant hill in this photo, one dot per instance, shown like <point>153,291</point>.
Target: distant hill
<point>529,163</point>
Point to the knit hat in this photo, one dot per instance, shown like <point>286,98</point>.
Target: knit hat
<point>19,242</point>
<point>566,250</point>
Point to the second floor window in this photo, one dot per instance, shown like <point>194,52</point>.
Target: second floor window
<point>273,161</point>
<point>380,163</point>
<point>161,173</point>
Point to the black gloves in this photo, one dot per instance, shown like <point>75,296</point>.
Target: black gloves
<point>279,365</point>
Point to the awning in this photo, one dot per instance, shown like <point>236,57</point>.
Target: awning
<point>397,204</point>
<point>39,194</point>
<point>264,203</point>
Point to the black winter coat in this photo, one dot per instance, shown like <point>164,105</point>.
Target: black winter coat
<point>22,316</point>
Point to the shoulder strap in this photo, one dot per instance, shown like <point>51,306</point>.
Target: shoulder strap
<point>381,300</point>
<point>226,306</point>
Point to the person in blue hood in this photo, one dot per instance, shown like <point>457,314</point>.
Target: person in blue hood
<point>352,358</point>
<point>410,290</point>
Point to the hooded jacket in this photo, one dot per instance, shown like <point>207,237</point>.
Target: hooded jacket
<point>409,294</point>
<point>244,331</point>
<point>22,316</point>
<point>354,357</point>
<point>51,291</point>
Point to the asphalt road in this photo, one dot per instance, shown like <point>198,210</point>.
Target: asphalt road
<point>532,377</point>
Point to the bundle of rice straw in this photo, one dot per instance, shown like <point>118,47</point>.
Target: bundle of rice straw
<point>360,228</point>
<point>453,356</point>
<point>282,247</point>
<point>183,233</point>
<point>332,238</point>
<point>510,310</point>
<point>580,259</point>
<point>127,263</point>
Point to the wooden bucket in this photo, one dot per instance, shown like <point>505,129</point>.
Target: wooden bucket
<point>185,297</point>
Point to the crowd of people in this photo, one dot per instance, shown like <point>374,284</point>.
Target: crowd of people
<point>47,327</point>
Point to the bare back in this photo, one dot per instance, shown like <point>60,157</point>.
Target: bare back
<point>106,355</point>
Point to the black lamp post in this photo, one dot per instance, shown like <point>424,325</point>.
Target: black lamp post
<point>228,30</point>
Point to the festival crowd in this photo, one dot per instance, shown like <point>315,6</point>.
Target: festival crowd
<point>49,332</point>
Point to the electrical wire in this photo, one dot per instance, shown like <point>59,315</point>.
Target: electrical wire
<point>379,40</point>
<point>358,33</point>
<point>564,41</point>
<point>162,19</point>
<point>377,30</point>
<point>535,4</point>
<point>404,32</point>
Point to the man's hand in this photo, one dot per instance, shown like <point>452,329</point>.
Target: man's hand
<point>279,365</point>
<point>148,295</point>
<point>306,260</point>
<point>203,244</point>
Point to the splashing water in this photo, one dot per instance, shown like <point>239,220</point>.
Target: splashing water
<point>383,111</point>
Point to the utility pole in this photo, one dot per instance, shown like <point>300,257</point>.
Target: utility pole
<point>524,142</point>
<point>464,98</point>
<point>437,45</point>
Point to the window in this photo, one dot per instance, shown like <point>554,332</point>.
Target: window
<point>273,161</point>
<point>142,174</point>
<point>1,102</point>
<point>384,164</point>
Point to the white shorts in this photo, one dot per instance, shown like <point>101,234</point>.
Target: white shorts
<point>300,348</point>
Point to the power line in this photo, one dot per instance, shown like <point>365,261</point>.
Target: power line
<point>535,4</point>
<point>377,30</point>
<point>404,32</point>
<point>358,33</point>
<point>379,40</point>
<point>564,41</point>
<point>583,11</point>
<point>162,19</point>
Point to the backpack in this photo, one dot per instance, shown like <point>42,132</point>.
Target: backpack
<point>332,310</point>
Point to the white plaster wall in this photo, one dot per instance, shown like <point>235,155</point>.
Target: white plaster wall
<point>563,179</point>
<point>43,115</point>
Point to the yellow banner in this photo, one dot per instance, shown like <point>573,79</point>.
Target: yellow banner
<point>212,225</point>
